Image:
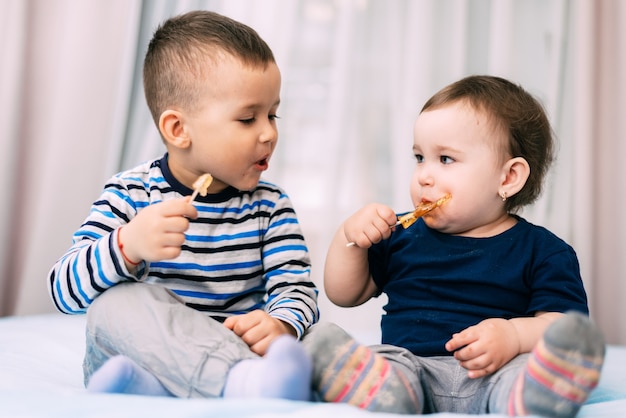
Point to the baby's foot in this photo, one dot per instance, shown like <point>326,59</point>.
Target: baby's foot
<point>562,370</point>
<point>284,372</point>
<point>348,372</point>
<point>122,375</point>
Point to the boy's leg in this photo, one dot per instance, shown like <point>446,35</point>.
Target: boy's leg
<point>190,353</point>
<point>120,374</point>
<point>348,372</point>
<point>283,372</point>
<point>561,371</point>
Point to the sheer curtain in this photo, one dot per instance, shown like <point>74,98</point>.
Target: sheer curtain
<point>64,97</point>
<point>355,74</point>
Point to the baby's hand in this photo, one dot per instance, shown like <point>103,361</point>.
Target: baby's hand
<point>485,347</point>
<point>158,231</point>
<point>258,329</point>
<point>370,225</point>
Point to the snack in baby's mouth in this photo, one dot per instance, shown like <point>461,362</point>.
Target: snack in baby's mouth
<point>201,185</point>
<point>421,210</point>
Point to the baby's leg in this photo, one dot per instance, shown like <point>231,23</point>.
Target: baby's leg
<point>348,372</point>
<point>284,372</point>
<point>562,370</point>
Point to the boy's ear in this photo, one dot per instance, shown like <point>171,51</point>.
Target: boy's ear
<point>172,127</point>
<point>515,173</point>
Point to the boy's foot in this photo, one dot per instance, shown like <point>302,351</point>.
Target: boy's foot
<point>562,370</point>
<point>348,372</point>
<point>284,372</point>
<point>122,375</point>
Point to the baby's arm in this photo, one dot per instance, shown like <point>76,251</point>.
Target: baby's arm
<point>347,279</point>
<point>485,347</point>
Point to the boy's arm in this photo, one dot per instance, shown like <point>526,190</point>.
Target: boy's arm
<point>291,294</point>
<point>94,262</point>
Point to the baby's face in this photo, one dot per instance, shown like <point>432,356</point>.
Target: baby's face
<point>459,152</point>
<point>233,133</point>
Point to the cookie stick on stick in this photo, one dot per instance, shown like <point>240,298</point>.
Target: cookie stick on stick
<point>201,186</point>
<point>420,210</point>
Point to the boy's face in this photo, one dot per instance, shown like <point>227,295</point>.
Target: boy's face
<point>458,151</point>
<point>233,132</point>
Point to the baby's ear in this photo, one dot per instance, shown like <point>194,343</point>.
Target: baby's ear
<point>171,125</point>
<point>515,173</point>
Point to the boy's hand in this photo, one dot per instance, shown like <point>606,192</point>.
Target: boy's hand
<point>258,329</point>
<point>158,231</point>
<point>370,225</point>
<point>485,347</point>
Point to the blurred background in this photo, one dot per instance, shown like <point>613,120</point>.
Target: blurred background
<point>355,75</point>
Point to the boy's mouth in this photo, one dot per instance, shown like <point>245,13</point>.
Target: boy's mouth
<point>262,164</point>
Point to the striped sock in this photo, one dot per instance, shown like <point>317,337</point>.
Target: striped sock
<point>348,372</point>
<point>562,370</point>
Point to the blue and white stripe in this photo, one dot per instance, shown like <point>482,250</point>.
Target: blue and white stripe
<point>244,252</point>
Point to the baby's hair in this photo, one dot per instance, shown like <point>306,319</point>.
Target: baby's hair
<point>184,46</point>
<point>519,114</point>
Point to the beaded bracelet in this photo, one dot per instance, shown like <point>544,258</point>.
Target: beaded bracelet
<point>121,247</point>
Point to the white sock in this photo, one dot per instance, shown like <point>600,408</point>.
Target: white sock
<point>120,374</point>
<point>284,372</point>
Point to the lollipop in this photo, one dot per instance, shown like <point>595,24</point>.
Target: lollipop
<point>201,186</point>
<point>420,210</point>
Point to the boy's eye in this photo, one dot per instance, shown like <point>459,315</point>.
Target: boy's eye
<point>273,117</point>
<point>446,160</point>
<point>419,158</point>
<point>249,121</point>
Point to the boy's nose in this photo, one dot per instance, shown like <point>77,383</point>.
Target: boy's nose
<point>269,134</point>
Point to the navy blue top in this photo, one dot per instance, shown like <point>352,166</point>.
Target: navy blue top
<point>438,284</point>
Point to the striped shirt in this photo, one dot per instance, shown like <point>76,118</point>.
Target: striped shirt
<point>245,251</point>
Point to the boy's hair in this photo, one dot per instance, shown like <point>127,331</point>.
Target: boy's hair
<point>519,114</point>
<point>181,49</point>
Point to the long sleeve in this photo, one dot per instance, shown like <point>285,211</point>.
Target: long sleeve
<point>93,263</point>
<point>244,251</point>
<point>292,296</point>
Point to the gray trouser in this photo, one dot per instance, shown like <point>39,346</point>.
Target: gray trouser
<point>439,383</point>
<point>189,352</point>
<point>445,386</point>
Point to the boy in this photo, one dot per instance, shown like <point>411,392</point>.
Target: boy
<point>204,298</point>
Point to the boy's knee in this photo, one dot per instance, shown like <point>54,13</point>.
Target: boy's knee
<point>124,301</point>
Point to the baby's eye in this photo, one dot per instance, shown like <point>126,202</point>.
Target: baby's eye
<point>273,117</point>
<point>446,160</point>
<point>419,158</point>
<point>248,121</point>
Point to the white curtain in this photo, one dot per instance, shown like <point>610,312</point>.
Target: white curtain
<point>355,74</point>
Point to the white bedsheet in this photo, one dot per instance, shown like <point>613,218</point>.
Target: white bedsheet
<point>41,376</point>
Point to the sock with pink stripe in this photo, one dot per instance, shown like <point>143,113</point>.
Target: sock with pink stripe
<point>348,372</point>
<point>562,370</point>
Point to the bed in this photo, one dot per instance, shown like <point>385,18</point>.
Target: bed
<point>41,376</point>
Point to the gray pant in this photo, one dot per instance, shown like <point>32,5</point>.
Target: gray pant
<point>440,383</point>
<point>446,387</point>
<point>189,352</point>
